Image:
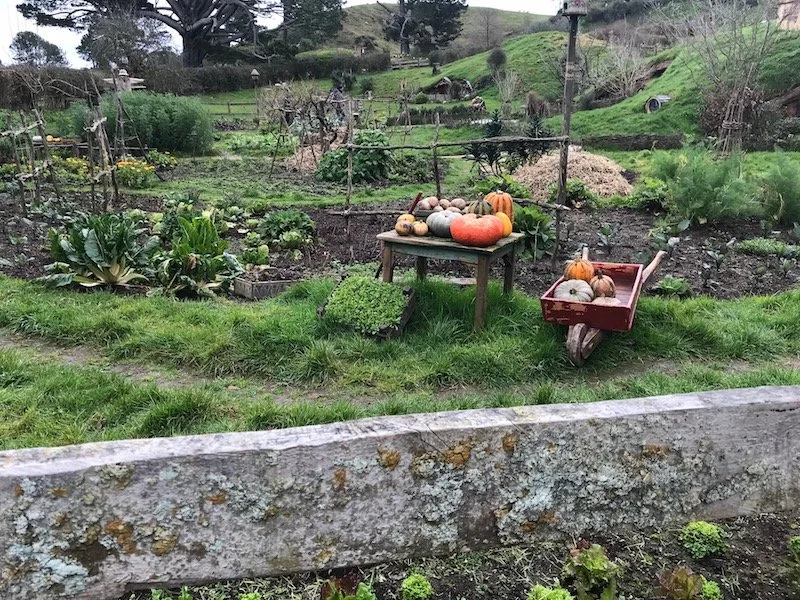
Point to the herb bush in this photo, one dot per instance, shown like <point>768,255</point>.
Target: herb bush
<point>781,191</point>
<point>366,304</point>
<point>161,121</point>
<point>705,189</point>
<point>368,165</point>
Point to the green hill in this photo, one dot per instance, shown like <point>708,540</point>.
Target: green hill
<point>367,20</point>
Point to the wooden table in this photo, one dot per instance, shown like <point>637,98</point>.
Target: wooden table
<point>444,249</point>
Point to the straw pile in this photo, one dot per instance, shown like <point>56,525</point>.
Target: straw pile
<point>601,175</point>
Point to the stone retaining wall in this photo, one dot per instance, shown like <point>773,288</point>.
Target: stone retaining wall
<point>95,520</point>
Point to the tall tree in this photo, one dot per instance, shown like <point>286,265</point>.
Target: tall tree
<point>122,40</point>
<point>424,24</point>
<point>313,20</point>
<point>200,23</point>
<point>29,48</point>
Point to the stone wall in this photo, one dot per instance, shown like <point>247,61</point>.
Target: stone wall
<point>95,520</point>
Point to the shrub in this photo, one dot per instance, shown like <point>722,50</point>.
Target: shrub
<point>367,85</point>
<point>578,195</point>
<point>415,168</point>
<point>368,165</point>
<point>591,574</point>
<point>702,539</point>
<point>135,174</point>
<point>197,264</point>
<point>161,121</point>
<point>539,230</point>
<point>649,194</point>
<point>344,80</point>
<point>162,161</point>
<point>100,250</point>
<point>781,191</point>
<point>72,170</point>
<point>421,98</point>
<point>496,59</point>
<point>539,592</point>
<point>794,548</point>
<point>704,189</point>
<point>365,304</point>
<point>416,587</point>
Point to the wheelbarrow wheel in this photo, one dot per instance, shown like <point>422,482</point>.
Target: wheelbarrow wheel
<point>575,338</point>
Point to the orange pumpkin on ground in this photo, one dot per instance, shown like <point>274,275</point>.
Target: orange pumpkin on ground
<point>501,202</point>
<point>579,269</point>
<point>507,226</point>
<point>478,231</point>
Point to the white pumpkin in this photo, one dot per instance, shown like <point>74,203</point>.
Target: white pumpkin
<point>573,290</point>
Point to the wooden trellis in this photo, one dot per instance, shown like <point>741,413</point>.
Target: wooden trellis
<point>28,166</point>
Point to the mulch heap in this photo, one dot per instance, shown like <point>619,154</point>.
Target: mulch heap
<point>600,174</point>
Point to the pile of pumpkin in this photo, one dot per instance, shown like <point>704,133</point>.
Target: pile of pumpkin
<point>482,224</point>
<point>583,283</point>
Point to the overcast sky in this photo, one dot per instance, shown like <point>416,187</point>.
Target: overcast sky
<point>11,22</point>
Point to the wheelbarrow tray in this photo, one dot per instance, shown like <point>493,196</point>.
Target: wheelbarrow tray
<point>628,281</point>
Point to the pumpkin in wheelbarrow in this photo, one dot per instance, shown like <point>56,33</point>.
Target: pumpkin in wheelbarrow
<point>476,230</point>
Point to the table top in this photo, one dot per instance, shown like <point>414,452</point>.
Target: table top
<point>437,242</point>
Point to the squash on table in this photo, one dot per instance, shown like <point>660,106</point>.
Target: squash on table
<point>476,230</point>
<point>501,202</point>
<point>420,228</point>
<point>480,207</point>
<point>573,290</point>
<point>424,205</point>
<point>603,285</point>
<point>459,203</point>
<point>507,226</point>
<point>406,217</point>
<point>579,268</point>
<point>439,223</point>
<point>431,200</point>
<point>404,228</point>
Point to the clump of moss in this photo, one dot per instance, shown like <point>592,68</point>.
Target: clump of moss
<point>416,587</point>
<point>366,304</point>
<point>702,539</point>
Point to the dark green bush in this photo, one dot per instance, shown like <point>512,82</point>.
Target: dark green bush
<point>578,195</point>
<point>277,224</point>
<point>421,98</point>
<point>161,121</point>
<point>368,165</point>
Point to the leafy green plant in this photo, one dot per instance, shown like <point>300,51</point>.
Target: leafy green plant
<point>650,194</point>
<point>135,174</point>
<point>539,230</point>
<point>415,168</point>
<point>780,188</point>
<point>504,183</point>
<point>591,575</point>
<point>294,240</point>
<point>540,592</point>
<point>702,539</point>
<point>673,286</point>
<point>794,548</point>
<point>416,587</point>
<point>607,237</point>
<point>197,264</point>
<point>365,304</point>
<point>162,161</point>
<point>277,223</point>
<point>681,584</point>
<point>255,251</point>
<point>251,596</point>
<point>710,591</point>
<point>368,165</point>
<point>578,195</point>
<point>705,189</point>
<point>100,250</point>
<point>363,592</point>
<point>768,247</point>
<point>488,156</point>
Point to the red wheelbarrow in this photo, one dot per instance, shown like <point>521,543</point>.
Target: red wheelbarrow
<point>588,322</point>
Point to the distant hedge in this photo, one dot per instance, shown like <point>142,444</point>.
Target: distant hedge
<point>57,87</point>
<point>161,121</point>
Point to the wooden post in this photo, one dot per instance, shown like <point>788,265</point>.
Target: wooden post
<point>349,176</point>
<point>481,293</point>
<point>90,161</point>
<point>435,147</point>
<point>509,263</point>
<point>229,108</point>
<point>18,163</point>
<point>422,267</point>
<point>46,151</point>
<point>569,93</point>
<point>388,263</point>
<point>37,186</point>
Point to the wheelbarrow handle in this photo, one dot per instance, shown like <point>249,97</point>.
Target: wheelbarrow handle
<point>654,264</point>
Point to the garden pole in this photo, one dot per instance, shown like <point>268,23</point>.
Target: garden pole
<point>46,150</point>
<point>435,146</point>
<point>37,185</point>
<point>569,93</point>
<point>349,175</point>
<point>18,162</point>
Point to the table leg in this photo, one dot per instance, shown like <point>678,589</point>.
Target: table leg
<point>422,267</point>
<point>388,263</point>
<point>481,293</point>
<point>509,262</point>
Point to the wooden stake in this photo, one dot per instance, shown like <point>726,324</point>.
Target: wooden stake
<point>349,176</point>
<point>37,186</point>
<point>18,162</point>
<point>46,151</point>
<point>435,146</point>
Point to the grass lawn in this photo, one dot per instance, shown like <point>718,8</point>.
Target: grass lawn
<point>275,351</point>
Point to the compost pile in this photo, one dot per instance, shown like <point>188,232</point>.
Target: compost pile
<point>600,174</point>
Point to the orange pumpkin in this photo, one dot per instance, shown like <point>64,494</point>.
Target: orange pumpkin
<point>507,226</point>
<point>501,203</point>
<point>579,269</point>
<point>603,285</point>
<point>478,231</point>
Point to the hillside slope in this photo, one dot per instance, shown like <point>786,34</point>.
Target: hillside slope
<point>367,20</point>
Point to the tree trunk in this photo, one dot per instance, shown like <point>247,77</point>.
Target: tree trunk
<point>405,46</point>
<point>193,51</point>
